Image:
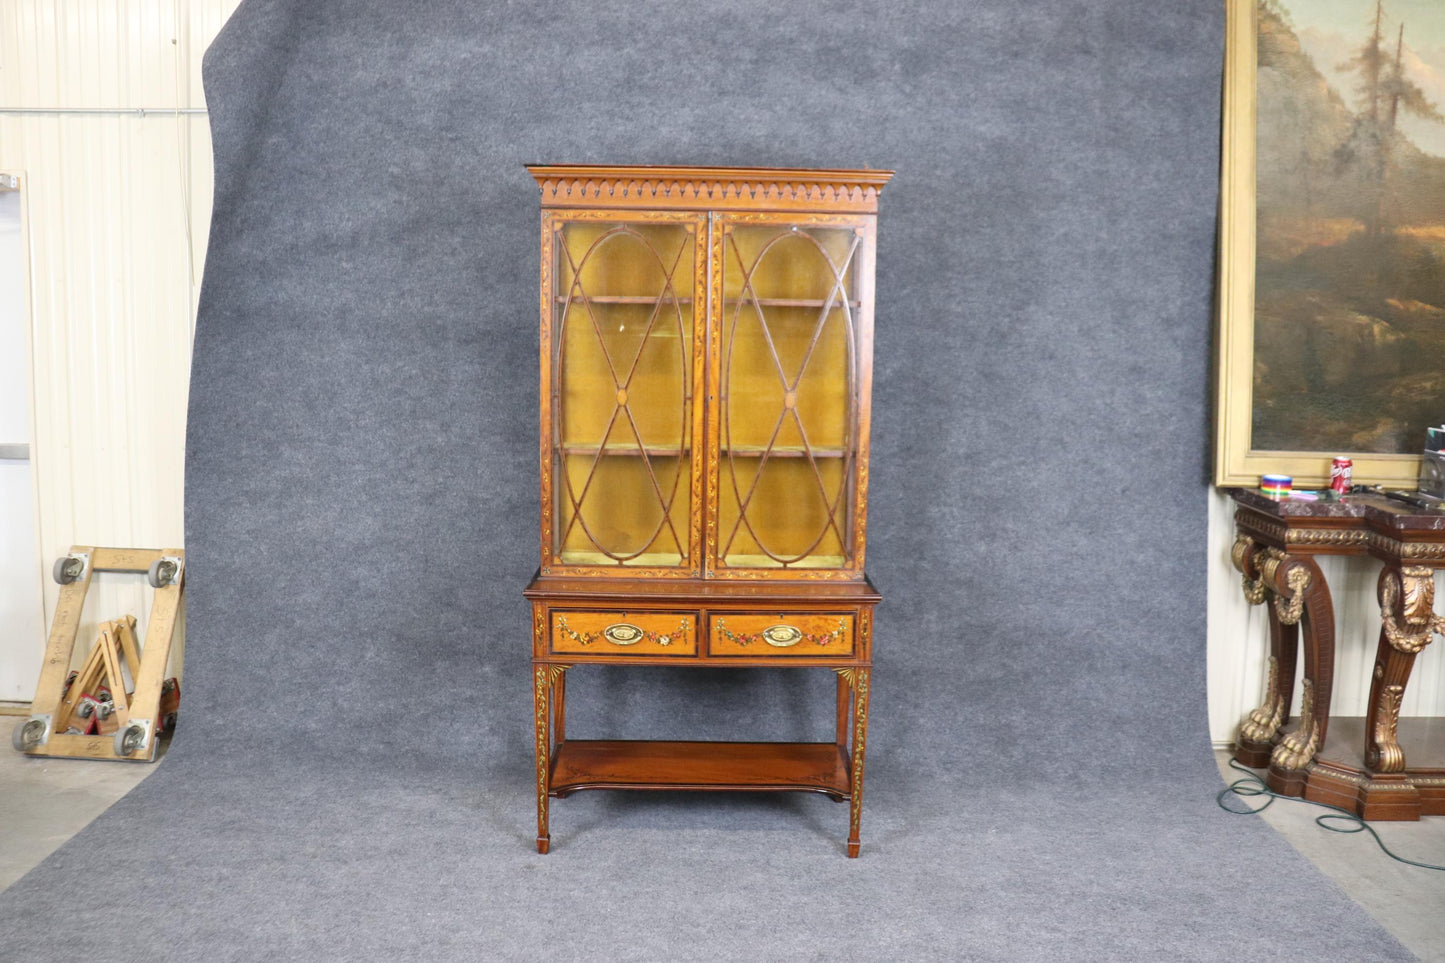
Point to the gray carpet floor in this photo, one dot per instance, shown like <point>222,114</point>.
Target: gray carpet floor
<point>352,774</point>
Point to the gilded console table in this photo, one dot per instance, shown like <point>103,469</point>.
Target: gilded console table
<point>1361,766</point>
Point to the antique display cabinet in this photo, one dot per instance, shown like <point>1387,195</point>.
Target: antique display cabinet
<point>705,384</point>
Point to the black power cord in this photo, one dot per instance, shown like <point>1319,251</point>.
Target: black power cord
<point>1251,785</point>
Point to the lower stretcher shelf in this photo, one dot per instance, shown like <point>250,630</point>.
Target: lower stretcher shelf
<point>748,766</point>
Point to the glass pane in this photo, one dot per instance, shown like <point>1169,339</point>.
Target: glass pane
<point>788,427</point>
<point>621,416</point>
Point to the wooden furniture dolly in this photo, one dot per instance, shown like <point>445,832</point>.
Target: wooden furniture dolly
<point>138,718</point>
<point>1357,764</point>
<point>705,389</point>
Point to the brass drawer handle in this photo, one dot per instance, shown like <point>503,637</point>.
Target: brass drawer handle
<point>624,633</point>
<point>783,635</point>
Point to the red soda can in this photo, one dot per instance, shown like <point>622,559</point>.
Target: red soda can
<point>1342,471</point>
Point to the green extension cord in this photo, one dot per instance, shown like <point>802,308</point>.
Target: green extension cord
<point>1252,785</point>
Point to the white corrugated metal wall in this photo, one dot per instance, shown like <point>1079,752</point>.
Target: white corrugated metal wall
<point>117,209</point>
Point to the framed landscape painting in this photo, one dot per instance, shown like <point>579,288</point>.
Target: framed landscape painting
<point>1331,338</point>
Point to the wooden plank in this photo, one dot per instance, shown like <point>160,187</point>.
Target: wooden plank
<point>115,679</point>
<point>128,644</point>
<point>126,559</point>
<point>60,645</point>
<point>749,766</point>
<point>86,747</point>
<point>85,681</point>
<point>149,677</point>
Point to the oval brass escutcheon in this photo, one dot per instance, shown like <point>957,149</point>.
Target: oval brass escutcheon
<point>622,633</point>
<point>782,636</point>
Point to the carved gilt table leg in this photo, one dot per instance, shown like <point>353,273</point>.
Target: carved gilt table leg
<point>544,679</point>
<point>1407,624</point>
<point>1261,729</point>
<point>857,679</point>
<point>1301,595</point>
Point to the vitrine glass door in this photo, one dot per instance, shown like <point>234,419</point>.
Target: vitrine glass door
<point>791,324</point>
<point>624,407</point>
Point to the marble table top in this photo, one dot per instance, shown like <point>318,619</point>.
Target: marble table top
<point>1374,510</point>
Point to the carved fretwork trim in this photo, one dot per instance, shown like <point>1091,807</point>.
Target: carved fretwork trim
<point>698,188</point>
<point>1425,551</point>
<point>1278,532</point>
<point>1411,782</point>
<point>1295,536</point>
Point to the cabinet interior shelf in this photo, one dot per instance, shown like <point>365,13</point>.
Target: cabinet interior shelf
<point>647,299</point>
<point>781,451</point>
<point>791,302</point>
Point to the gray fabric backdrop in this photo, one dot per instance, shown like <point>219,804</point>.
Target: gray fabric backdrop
<point>352,775</point>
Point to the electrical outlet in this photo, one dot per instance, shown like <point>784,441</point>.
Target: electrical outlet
<point>9,182</point>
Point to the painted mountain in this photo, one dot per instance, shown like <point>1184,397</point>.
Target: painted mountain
<point>1350,283</point>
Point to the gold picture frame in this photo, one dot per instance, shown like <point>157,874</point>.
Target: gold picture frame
<point>1236,462</point>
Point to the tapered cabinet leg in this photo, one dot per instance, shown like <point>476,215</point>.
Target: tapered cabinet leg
<point>857,680</point>
<point>544,677</point>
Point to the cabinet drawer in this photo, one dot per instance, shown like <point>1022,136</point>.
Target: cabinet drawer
<point>780,634</point>
<point>628,633</point>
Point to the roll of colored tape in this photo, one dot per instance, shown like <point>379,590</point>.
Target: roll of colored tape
<point>1276,486</point>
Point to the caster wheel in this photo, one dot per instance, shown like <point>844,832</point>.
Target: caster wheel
<point>85,709</point>
<point>27,735</point>
<point>128,740</point>
<point>106,710</point>
<point>161,573</point>
<point>67,569</point>
<point>170,722</point>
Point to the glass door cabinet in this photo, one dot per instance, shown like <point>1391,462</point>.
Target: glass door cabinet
<point>793,328</point>
<point>705,395</point>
